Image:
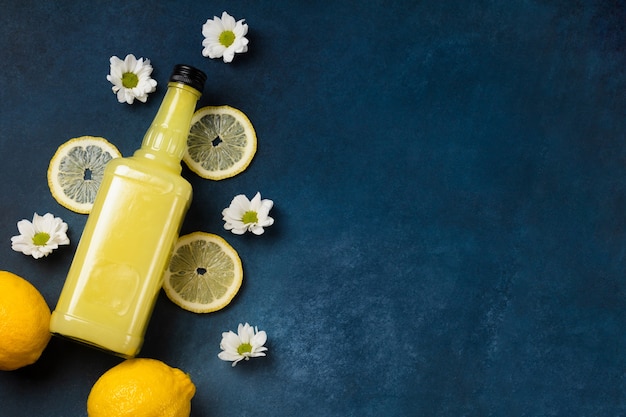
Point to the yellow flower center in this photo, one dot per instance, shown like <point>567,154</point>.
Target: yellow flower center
<point>250,217</point>
<point>227,38</point>
<point>244,348</point>
<point>130,80</point>
<point>41,238</point>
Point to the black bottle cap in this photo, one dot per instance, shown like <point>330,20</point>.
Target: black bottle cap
<point>188,75</point>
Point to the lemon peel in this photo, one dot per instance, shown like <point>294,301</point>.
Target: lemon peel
<point>141,387</point>
<point>24,322</point>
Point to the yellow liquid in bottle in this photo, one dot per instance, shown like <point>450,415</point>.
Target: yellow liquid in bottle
<point>117,271</point>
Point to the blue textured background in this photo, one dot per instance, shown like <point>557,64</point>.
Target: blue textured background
<point>449,181</point>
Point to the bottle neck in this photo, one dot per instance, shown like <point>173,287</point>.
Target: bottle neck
<point>166,139</point>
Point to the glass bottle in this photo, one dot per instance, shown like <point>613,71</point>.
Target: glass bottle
<point>117,271</point>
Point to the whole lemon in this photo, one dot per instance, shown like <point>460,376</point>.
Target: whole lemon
<point>141,387</point>
<point>24,322</point>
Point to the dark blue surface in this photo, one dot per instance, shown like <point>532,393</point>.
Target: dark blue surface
<point>449,181</point>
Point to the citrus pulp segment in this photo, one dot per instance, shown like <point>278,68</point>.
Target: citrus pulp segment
<point>221,142</point>
<point>76,169</point>
<point>204,273</point>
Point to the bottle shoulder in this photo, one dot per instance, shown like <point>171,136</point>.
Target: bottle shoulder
<point>146,171</point>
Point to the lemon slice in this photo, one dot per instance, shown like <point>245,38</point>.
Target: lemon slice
<point>76,169</point>
<point>221,142</point>
<point>204,274</point>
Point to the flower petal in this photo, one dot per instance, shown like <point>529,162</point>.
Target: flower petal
<point>26,228</point>
<point>255,203</point>
<point>228,21</point>
<point>259,338</point>
<point>257,230</point>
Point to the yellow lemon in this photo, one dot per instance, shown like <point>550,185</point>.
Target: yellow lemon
<point>141,387</point>
<point>24,322</point>
<point>76,169</point>
<point>204,273</point>
<point>221,142</point>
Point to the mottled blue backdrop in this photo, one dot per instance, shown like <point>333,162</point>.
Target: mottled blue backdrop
<point>449,180</point>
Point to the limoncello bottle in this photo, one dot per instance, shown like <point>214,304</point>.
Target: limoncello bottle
<point>117,271</point>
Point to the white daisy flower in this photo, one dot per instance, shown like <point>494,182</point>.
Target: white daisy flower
<point>131,78</point>
<point>244,215</point>
<point>224,37</point>
<point>40,237</point>
<point>247,343</point>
